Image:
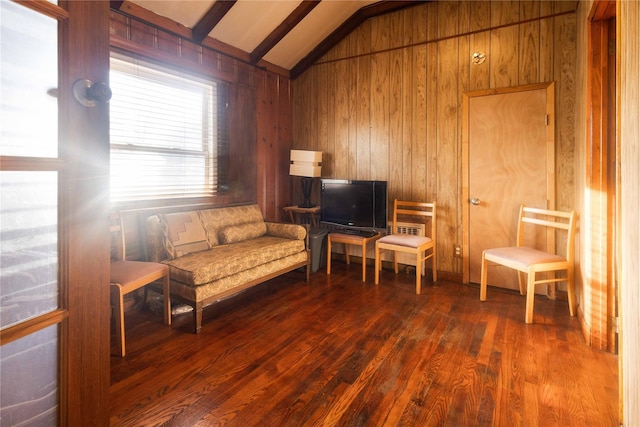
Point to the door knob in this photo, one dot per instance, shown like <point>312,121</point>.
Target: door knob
<point>475,201</point>
<point>87,93</point>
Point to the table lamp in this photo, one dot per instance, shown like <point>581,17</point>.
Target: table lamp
<point>306,164</point>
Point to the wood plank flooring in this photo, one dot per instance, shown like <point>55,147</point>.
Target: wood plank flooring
<point>340,352</point>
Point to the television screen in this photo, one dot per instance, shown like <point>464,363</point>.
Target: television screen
<point>349,203</point>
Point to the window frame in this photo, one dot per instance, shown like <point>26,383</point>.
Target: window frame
<point>215,151</point>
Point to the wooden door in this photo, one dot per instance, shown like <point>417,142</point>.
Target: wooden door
<point>510,162</point>
<point>54,157</point>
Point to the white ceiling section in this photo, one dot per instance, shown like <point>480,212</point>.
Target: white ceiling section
<point>314,28</point>
<point>185,12</point>
<point>250,22</point>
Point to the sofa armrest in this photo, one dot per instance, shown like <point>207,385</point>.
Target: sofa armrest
<point>286,230</point>
<point>154,247</point>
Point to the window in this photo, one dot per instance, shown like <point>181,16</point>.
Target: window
<point>32,287</point>
<point>168,133</point>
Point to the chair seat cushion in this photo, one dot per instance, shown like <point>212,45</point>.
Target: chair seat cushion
<point>407,240</point>
<point>125,272</point>
<point>522,255</point>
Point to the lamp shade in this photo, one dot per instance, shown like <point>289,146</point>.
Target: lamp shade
<point>305,163</point>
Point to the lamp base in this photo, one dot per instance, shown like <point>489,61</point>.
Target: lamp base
<point>307,184</point>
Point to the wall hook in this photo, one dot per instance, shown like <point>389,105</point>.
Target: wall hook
<point>478,57</point>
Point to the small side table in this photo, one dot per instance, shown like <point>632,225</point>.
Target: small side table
<point>295,212</point>
<point>350,239</point>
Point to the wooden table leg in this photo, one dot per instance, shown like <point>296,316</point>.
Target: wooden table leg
<point>167,299</point>
<point>117,299</point>
<point>328,254</point>
<point>364,260</point>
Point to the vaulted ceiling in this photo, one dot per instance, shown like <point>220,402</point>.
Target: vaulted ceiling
<point>289,34</point>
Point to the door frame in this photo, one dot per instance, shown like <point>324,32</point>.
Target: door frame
<point>603,183</point>
<point>83,313</point>
<point>550,172</point>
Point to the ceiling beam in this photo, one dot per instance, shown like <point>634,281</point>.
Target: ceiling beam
<point>210,19</point>
<point>349,25</point>
<point>115,4</point>
<point>283,29</point>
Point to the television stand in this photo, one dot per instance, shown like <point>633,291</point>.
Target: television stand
<point>350,239</point>
<point>297,212</point>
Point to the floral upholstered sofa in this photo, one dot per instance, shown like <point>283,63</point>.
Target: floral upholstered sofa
<point>215,253</point>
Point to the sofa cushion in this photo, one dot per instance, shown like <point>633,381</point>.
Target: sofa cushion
<point>225,260</point>
<point>154,241</point>
<point>238,233</point>
<point>217,219</point>
<point>183,233</point>
<point>289,231</point>
<point>235,281</point>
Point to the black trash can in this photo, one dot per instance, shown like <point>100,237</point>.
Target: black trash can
<point>318,246</point>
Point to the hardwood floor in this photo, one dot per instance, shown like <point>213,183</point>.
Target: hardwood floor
<point>341,352</point>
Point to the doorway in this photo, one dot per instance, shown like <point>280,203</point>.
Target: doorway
<point>508,156</point>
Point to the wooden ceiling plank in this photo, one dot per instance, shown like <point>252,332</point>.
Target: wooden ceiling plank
<point>283,29</point>
<point>349,25</point>
<point>133,10</point>
<point>210,19</point>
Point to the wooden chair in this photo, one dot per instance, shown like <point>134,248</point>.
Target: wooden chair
<point>127,276</point>
<point>423,247</point>
<point>531,261</point>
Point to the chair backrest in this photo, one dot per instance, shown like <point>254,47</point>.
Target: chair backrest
<point>423,210</point>
<point>553,221</point>
<point>118,244</point>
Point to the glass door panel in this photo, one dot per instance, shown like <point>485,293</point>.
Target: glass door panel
<point>29,376</point>
<point>30,286</point>
<point>28,104</point>
<point>29,251</point>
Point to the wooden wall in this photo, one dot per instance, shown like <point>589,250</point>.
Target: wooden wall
<point>273,144</point>
<point>385,103</point>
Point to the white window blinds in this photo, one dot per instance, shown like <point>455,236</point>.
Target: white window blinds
<point>164,133</point>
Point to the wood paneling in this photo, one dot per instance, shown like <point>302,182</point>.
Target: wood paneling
<point>503,55</point>
<point>504,12</point>
<point>408,89</point>
<point>447,19</point>
<point>564,74</point>
<point>445,148</point>
<point>363,114</point>
<point>395,117</point>
<point>529,53</point>
<point>422,124</point>
<point>480,15</point>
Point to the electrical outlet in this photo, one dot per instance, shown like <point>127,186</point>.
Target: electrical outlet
<point>457,251</point>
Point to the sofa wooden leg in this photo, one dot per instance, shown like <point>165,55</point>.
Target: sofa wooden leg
<point>308,271</point>
<point>197,317</point>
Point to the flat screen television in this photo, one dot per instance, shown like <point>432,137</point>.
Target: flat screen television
<point>355,204</point>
